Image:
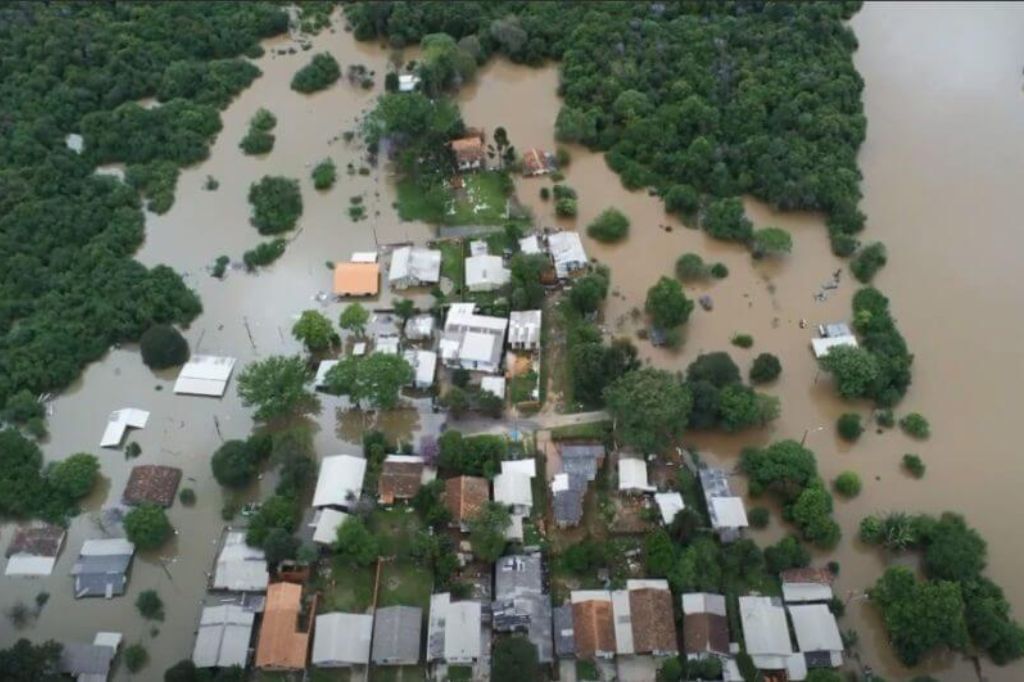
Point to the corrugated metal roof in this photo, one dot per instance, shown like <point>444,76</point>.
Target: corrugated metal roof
<point>223,638</point>
<point>340,482</point>
<point>240,568</point>
<point>342,639</point>
<point>396,635</point>
<point>205,375</point>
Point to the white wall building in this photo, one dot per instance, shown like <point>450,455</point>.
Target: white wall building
<point>486,273</point>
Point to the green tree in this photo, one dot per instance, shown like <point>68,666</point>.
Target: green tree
<point>456,400</point>
<point>716,368</point>
<point>913,464</point>
<point>514,660</point>
<point>854,369</point>
<point>698,568</point>
<point>354,318</point>
<point>953,550</point>
<point>163,346</point>
<point>667,304</point>
<point>868,261</point>
<point>921,616</point>
<point>849,427</point>
<point>725,219</point>
<point>150,605</point>
<point>770,241</point>
<point>740,407</point>
<point>766,368</point>
<point>785,554</point>
<point>324,174</point>
<point>21,408</point>
<point>649,408</point>
<point>314,330</point>
<point>659,553</point>
<point>277,511</point>
<point>594,366</point>
<point>444,65</point>
<point>405,308</point>
<point>848,484</point>
<point>147,527</point>
<point>525,270</point>
<point>812,512</point>
<point>235,464</point>
<point>322,71</point>
<point>588,292</point>
<point>356,545</point>
<point>487,532</point>
<point>784,468</point>
<point>276,386</point>
<point>276,204</point>
<point>376,379</point>
<point>24,661</point>
<point>611,225</point>
<point>135,657</point>
<point>691,268</point>
<point>914,424</point>
<point>75,476</point>
<point>682,199</point>
<point>280,545</point>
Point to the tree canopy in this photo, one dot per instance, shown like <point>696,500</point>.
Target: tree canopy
<point>487,532</point>
<point>276,204</point>
<point>854,369</point>
<point>314,330</point>
<point>375,380</point>
<point>276,387</point>
<point>163,346</point>
<point>147,526</point>
<point>24,661</point>
<point>667,304</point>
<point>322,71</point>
<point>75,476</point>
<point>611,225</point>
<point>514,660</point>
<point>650,408</point>
<point>354,318</point>
<point>355,543</point>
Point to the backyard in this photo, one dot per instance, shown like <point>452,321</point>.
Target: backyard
<point>481,200</point>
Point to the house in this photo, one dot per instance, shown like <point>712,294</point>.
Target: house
<point>469,152</point>
<point>454,633</point>
<point>567,251</point>
<point>325,366</point>
<point>520,603</point>
<point>282,646</point>
<point>414,267</point>
<point>326,522</point>
<point>705,626</point>
<point>240,568</point>
<point>401,477</point>
<point>514,489</point>
<point>524,330</point>
<point>205,375</point>
<point>387,344</point>
<point>669,504</point>
<point>471,341</point>
<point>593,624</point>
<point>407,82</point>
<point>419,327</point>
<point>564,632</point>
<point>582,458</point>
<point>342,640</point>
<point>101,569</point>
<point>223,639</point>
<point>424,366</point>
<point>834,330</point>
<point>340,482</point>
<point>530,245</point>
<point>486,273</point>
<point>538,162</point>
<point>766,635</point>
<point>363,257</point>
<point>356,279</point>
<point>465,496</point>
<point>396,635</point>
<point>633,476</point>
<point>34,550</point>
<point>580,462</point>
<point>728,515</point>
<point>118,422</point>
<point>806,585</point>
<point>817,635</point>
<point>822,346</point>
<point>87,662</point>
<point>152,484</point>
<point>644,620</point>
<point>495,385</point>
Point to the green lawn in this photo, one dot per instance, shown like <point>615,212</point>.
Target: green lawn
<point>395,530</point>
<point>593,430</point>
<point>481,202</point>
<point>405,583</point>
<point>398,673</point>
<point>352,591</point>
<point>453,263</point>
<point>460,673</point>
<point>418,203</point>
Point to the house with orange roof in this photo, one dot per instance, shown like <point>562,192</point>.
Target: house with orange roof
<point>465,496</point>
<point>356,279</point>
<point>282,645</point>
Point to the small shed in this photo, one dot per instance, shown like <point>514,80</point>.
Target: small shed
<point>633,476</point>
<point>564,632</point>
<point>223,639</point>
<point>669,504</point>
<point>419,327</point>
<point>152,484</point>
<point>101,569</point>
<point>340,482</point>
<point>240,568</point>
<point>326,523</point>
<point>356,279</point>
<point>342,640</point>
<point>205,375</point>
<point>524,329</point>
<point>34,550</point>
<point>424,366</point>
<point>396,635</point>
<point>120,421</point>
<point>486,273</point>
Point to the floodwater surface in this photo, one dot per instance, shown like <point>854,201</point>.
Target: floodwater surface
<point>943,156</point>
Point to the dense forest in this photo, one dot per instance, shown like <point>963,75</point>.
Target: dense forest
<point>69,287</point>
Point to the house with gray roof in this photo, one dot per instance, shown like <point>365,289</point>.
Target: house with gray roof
<point>726,510</point>
<point>520,603</point>
<point>454,630</point>
<point>580,464</point>
<point>101,569</point>
<point>225,632</point>
<point>396,635</point>
<point>564,633</point>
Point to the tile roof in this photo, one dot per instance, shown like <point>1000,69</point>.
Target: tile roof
<point>399,480</point>
<point>593,628</point>
<point>704,632</point>
<point>654,628</point>
<point>152,483</point>
<point>281,646</point>
<point>465,496</point>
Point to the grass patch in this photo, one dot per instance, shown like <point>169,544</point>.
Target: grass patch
<point>404,583</point>
<point>395,529</point>
<point>460,673</point>
<point>586,670</point>
<point>482,200</point>
<point>329,674</point>
<point>398,673</point>
<point>352,590</point>
<point>418,203</point>
<point>601,430</point>
<point>453,263</point>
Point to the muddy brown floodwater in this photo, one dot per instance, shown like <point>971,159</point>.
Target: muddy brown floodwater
<point>941,164</point>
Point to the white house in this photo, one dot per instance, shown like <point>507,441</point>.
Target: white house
<point>424,365</point>
<point>514,490</point>
<point>414,267</point>
<point>486,273</point>
<point>120,421</point>
<point>669,504</point>
<point>340,481</point>
<point>471,341</point>
<point>567,251</point>
<point>342,640</point>
<point>454,630</point>
<point>766,634</point>
<point>205,375</point>
<point>817,635</point>
<point>524,329</point>
<point>633,476</point>
<point>822,346</point>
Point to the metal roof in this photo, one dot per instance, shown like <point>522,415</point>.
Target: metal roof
<point>340,482</point>
<point>240,568</point>
<point>765,630</point>
<point>633,474</point>
<point>342,639</point>
<point>486,272</point>
<point>85,659</point>
<point>119,421</point>
<point>327,521</point>
<point>703,602</point>
<point>815,628</point>
<point>415,264</point>
<point>513,489</point>
<point>223,638</point>
<point>396,635</point>
<point>669,504</point>
<point>205,375</point>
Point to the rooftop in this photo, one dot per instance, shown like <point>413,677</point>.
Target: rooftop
<point>340,481</point>
<point>524,327</point>
<point>465,496</point>
<point>669,504</point>
<point>205,375</point>
<point>152,483</point>
<point>120,421</point>
<point>654,629</point>
<point>356,279</point>
<point>593,627</point>
<point>514,489</point>
<point>765,630</point>
<point>486,271</point>
<point>223,638</point>
<point>396,635</point>
<point>815,628</point>
<point>342,639</point>
<point>101,569</point>
<point>34,550</point>
<point>416,265</point>
<point>567,251</point>
<point>281,645</point>
<point>240,568</point>
<point>633,475</point>
<point>400,479</point>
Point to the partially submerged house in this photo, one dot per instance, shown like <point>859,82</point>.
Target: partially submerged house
<point>633,476</point>
<point>727,512</point>
<point>520,603</point>
<point>356,279</point>
<point>414,267</point>
<point>325,366</point>
<point>119,422</point>
<point>471,341</point>
<point>486,273</point>
<point>766,635</point>
<point>592,624</point>
<point>470,153</point>
<point>340,482</point>
<point>152,484</point>
<point>538,162</point>
<point>401,477</point>
<point>396,635</point>
<point>424,366</point>
<point>465,496</point>
<point>454,630</point>
<point>101,569</point>
<point>34,550</point>
<point>669,504</point>
<point>341,640</point>
<point>282,646</point>
<point>205,375</point>
<point>817,635</point>
<point>806,585</point>
<point>567,252</point>
<point>705,626</point>
<point>223,638</point>
<point>89,662</point>
<point>823,345</point>
<point>240,568</point>
<point>524,330</point>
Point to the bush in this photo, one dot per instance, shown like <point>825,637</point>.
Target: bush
<point>220,266</point>
<point>187,497</point>
<point>324,174</point>
<point>915,425</point>
<point>868,261</point>
<point>682,199</point>
<point>743,340</point>
<point>135,657</point>
<point>914,465</point>
<point>150,605</point>
<point>885,418</point>
<point>321,72</point>
<point>766,367</point>
<point>611,226</point>
<point>147,526</point>
<point>566,208</point>
<point>545,193</point>
<point>770,241</point>
<point>725,219</point>
<point>257,142</point>
<point>843,245</point>
<point>848,484</point>
<point>849,427</point>
<point>785,554</point>
<point>236,462</point>
<point>163,346</point>
<point>264,254</point>
<point>719,271</point>
<point>690,267</point>
<point>759,517</point>
<point>276,204</point>
<point>667,304</point>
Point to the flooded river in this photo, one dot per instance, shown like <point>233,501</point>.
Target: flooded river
<point>944,151</point>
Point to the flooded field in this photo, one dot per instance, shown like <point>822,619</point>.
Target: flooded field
<point>944,151</point>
